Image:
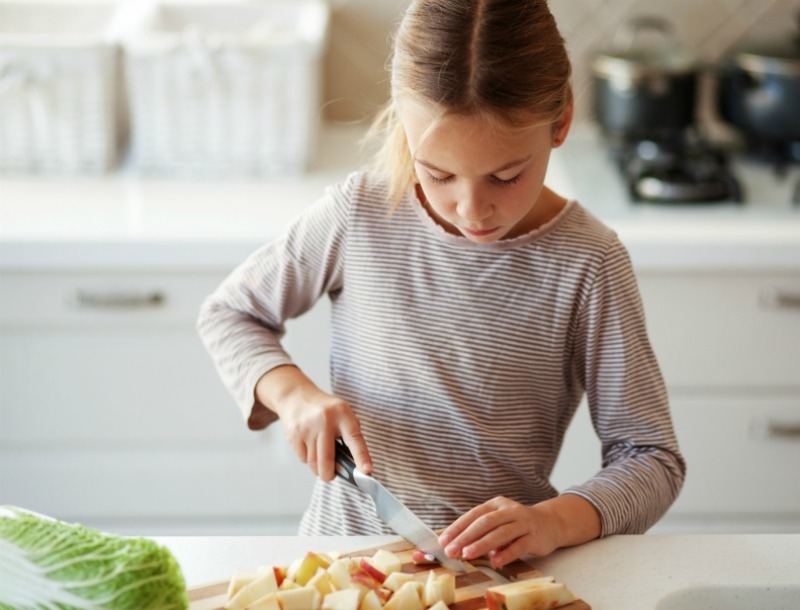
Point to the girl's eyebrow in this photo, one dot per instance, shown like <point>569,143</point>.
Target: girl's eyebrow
<point>508,165</point>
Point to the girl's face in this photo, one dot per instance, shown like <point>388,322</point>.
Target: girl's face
<point>480,182</point>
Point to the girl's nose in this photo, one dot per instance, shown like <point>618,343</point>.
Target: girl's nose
<point>472,206</point>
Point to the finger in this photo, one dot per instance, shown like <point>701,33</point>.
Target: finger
<point>300,449</point>
<point>456,535</point>
<point>311,455</point>
<point>495,533</point>
<point>325,458</point>
<point>509,553</point>
<point>352,437</point>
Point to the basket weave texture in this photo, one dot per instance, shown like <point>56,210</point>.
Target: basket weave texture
<point>61,106</point>
<point>231,89</point>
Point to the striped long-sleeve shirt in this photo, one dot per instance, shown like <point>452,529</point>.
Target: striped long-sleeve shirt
<point>463,362</point>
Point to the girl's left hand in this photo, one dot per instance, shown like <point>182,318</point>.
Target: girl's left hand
<point>503,530</point>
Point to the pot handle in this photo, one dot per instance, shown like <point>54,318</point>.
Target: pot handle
<point>629,34</point>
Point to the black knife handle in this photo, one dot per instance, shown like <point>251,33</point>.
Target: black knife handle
<point>345,465</point>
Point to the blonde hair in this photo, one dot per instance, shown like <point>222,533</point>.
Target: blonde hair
<point>502,59</point>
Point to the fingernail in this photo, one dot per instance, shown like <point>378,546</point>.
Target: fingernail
<point>444,540</point>
<point>494,559</point>
<point>451,550</point>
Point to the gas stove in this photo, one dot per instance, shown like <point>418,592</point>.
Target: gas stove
<point>681,169</point>
<point>688,172</point>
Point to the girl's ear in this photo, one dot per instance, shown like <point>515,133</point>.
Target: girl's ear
<point>562,125</point>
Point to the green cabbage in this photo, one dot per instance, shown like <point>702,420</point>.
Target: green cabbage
<point>47,564</point>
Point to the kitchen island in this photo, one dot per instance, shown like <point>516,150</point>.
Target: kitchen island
<point>650,572</point>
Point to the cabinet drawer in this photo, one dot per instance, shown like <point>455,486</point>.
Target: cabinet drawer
<point>98,300</point>
<point>720,330</point>
<point>741,453</point>
<point>259,476</point>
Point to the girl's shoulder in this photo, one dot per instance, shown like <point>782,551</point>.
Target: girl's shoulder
<point>363,185</point>
<point>580,225</point>
<point>580,219</point>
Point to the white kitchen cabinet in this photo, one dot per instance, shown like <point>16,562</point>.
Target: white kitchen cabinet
<point>111,412</point>
<point>729,330</point>
<point>729,347</point>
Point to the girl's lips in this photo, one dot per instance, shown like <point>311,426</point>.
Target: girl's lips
<point>480,233</point>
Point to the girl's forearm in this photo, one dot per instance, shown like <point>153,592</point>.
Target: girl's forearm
<point>577,520</point>
<point>277,384</point>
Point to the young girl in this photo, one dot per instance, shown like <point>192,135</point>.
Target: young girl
<point>472,308</point>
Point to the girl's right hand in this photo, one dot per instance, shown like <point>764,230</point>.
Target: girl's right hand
<point>312,420</point>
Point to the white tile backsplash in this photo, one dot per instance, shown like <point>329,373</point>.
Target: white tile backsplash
<point>356,80</point>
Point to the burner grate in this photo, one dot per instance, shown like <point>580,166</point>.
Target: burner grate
<point>677,171</point>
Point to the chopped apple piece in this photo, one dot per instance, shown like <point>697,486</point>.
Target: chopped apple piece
<point>309,566</point>
<point>440,605</point>
<point>372,570</point>
<point>363,582</point>
<point>261,586</point>
<point>439,587</point>
<point>339,572</point>
<point>321,581</point>
<point>293,567</point>
<point>528,595</point>
<point>302,598</point>
<point>346,599</point>
<point>420,557</point>
<point>239,579</point>
<point>386,561</point>
<point>268,602</point>
<point>287,584</point>
<point>280,572</point>
<point>395,580</point>
<point>372,601</point>
<point>406,597</point>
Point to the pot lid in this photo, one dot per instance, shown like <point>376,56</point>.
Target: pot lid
<point>644,63</point>
<point>631,56</point>
<point>771,58</point>
<point>780,56</point>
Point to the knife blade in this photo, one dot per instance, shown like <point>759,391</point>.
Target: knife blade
<point>392,511</point>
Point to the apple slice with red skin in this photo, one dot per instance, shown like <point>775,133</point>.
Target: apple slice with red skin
<point>536,594</point>
<point>421,558</point>
<point>372,570</point>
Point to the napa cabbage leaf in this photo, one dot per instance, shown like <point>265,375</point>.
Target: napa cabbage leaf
<point>46,564</point>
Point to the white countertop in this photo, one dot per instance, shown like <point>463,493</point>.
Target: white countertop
<point>121,220</point>
<point>617,573</point>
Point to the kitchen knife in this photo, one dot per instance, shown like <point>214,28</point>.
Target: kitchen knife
<point>393,512</point>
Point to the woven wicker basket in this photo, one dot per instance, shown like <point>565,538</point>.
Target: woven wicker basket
<point>61,107</point>
<point>226,89</point>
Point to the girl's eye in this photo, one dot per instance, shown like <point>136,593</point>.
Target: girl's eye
<point>437,180</point>
<point>507,182</point>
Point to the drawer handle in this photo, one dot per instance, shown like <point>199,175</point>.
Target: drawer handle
<point>82,299</point>
<point>783,429</point>
<point>766,427</point>
<point>781,299</point>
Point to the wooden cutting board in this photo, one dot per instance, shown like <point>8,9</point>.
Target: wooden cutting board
<point>470,587</point>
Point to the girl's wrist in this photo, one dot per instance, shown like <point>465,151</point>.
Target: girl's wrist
<point>275,388</point>
<point>574,519</point>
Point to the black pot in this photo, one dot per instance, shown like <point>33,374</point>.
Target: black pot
<point>641,91</point>
<point>759,91</point>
